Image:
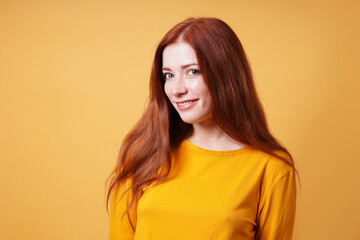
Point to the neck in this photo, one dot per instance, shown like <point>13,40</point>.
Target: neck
<point>209,136</point>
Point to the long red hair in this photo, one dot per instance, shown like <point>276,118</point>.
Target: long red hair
<point>145,152</point>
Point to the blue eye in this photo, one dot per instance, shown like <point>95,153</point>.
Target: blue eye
<point>168,75</point>
<point>194,72</point>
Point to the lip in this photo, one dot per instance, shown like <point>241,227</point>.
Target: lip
<point>186,104</point>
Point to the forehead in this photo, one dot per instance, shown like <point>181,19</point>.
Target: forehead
<point>178,54</point>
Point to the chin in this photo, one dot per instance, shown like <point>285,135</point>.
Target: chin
<point>193,120</point>
<point>188,121</point>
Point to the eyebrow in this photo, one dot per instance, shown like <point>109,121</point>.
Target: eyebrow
<point>182,67</point>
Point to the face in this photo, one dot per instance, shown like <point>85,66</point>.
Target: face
<point>184,84</point>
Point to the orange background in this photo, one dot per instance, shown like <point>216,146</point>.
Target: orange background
<point>74,79</point>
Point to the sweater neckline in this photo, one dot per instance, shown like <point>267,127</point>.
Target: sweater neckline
<point>186,144</point>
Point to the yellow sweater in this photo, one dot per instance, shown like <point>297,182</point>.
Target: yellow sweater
<point>238,194</point>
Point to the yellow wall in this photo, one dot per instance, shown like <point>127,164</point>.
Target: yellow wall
<point>74,77</point>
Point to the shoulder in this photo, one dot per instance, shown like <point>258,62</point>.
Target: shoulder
<point>121,190</point>
<point>280,164</point>
<point>274,166</point>
<point>278,175</point>
<point>277,203</point>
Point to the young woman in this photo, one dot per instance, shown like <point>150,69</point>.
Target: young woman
<point>201,162</point>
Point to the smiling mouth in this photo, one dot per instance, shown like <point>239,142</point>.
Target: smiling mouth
<point>186,101</point>
<point>186,104</point>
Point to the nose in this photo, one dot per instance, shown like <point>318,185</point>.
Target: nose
<point>179,87</point>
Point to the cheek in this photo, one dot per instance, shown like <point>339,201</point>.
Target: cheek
<point>209,102</point>
<point>204,91</point>
<point>167,90</point>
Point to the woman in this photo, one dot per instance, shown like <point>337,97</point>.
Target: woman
<point>201,162</point>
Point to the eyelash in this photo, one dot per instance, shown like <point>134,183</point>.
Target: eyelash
<point>166,74</point>
<point>197,71</point>
<point>194,72</point>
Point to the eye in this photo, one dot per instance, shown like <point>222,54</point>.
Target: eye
<point>194,72</point>
<point>168,75</point>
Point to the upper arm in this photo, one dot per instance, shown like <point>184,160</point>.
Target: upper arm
<point>122,227</point>
<point>277,209</point>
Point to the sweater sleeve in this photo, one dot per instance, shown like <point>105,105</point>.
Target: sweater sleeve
<point>122,227</point>
<point>277,209</point>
